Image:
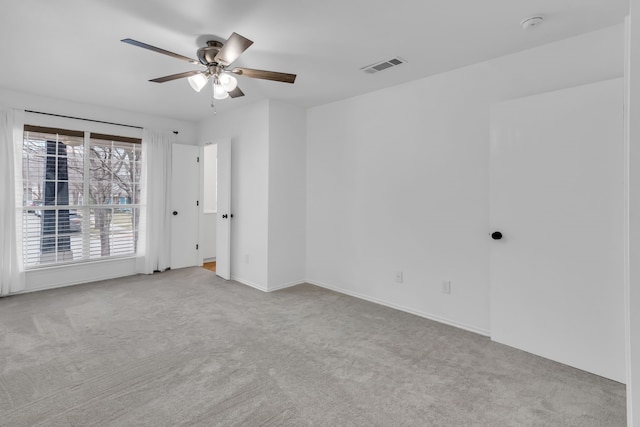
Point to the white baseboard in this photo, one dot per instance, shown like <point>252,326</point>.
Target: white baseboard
<point>429,316</point>
<point>286,285</point>
<point>209,259</point>
<point>248,283</point>
<point>266,289</point>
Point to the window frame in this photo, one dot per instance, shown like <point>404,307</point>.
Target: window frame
<point>86,206</point>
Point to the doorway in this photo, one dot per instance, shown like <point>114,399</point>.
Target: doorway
<point>215,234</point>
<point>209,205</point>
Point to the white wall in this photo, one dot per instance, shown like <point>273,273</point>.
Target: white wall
<point>572,62</point>
<point>248,129</point>
<point>397,180</point>
<point>633,280</point>
<point>11,99</point>
<point>268,200</point>
<point>50,277</point>
<point>287,195</point>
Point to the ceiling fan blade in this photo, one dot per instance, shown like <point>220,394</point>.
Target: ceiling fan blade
<point>232,49</point>
<point>267,75</point>
<point>175,76</point>
<point>157,49</point>
<point>236,93</point>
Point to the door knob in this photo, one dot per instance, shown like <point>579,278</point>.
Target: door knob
<point>224,215</point>
<point>175,212</point>
<point>496,235</point>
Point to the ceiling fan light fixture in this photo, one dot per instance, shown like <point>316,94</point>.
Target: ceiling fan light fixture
<point>198,81</point>
<point>219,92</point>
<point>228,82</point>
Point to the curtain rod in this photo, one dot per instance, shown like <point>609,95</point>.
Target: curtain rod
<point>88,120</point>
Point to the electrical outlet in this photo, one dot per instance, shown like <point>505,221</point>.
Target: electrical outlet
<point>446,287</point>
<point>398,276</point>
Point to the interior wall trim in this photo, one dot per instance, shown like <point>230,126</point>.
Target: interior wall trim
<point>77,274</point>
<point>248,283</point>
<point>439,319</point>
<point>286,285</point>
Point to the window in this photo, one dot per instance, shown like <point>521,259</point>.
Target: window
<point>81,198</point>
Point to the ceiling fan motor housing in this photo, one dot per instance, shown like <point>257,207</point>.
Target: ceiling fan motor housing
<point>206,55</point>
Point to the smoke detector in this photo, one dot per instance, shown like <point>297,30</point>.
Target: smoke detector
<point>532,22</point>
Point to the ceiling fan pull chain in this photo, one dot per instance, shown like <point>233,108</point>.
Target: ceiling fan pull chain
<point>213,94</point>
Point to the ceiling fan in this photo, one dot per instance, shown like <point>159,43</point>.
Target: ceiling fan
<point>216,57</point>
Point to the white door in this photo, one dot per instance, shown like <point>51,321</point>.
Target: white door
<point>557,171</point>
<point>185,189</point>
<point>224,215</point>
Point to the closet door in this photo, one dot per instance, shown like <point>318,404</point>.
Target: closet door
<point>557,198</point>
<point>185,190</point>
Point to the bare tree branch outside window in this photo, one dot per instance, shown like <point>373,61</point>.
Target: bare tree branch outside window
<point>104,204</point>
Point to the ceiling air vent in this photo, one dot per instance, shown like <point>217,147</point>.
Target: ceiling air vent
<point>380,66</point>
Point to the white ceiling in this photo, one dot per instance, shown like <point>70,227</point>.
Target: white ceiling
<point>71,49</point>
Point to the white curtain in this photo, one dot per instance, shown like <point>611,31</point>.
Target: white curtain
<point>11,265</point>
<point>154,245</point>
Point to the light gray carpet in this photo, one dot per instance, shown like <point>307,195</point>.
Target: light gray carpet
<point>186,348</point>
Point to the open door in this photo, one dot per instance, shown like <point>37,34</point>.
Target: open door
<point>223,218</point>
